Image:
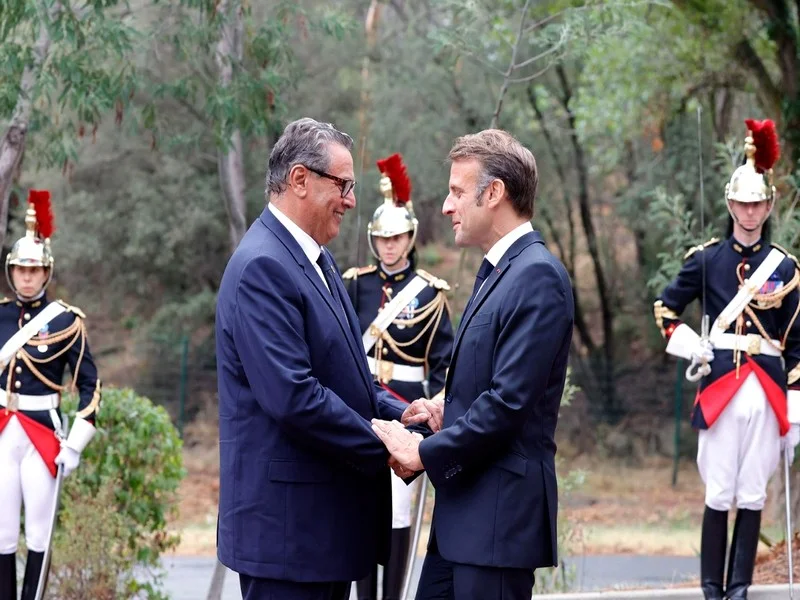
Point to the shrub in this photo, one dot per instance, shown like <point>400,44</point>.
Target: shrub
<point>115,506</point>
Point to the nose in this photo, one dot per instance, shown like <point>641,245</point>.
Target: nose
<point>350,200</point>
<point>448,208</point>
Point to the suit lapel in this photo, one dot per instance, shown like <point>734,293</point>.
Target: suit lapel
<point>272,223</point>
<point>491,281</point>
<point>354,339</point>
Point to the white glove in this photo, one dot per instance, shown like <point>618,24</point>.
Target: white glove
<point>702,351</point>
<point>69,458</point>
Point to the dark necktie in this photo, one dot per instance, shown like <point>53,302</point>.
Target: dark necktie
<point>483,273</point>
<point>330,278</point>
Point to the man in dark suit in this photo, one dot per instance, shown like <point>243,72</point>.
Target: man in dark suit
<point>493,461</point>
<point>305,499</point>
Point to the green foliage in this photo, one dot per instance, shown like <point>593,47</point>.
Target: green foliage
<point>430,256</point>
<point>182,66</point>
<point>98,567</point>
<point>124,491</point>
<point>85,73</point>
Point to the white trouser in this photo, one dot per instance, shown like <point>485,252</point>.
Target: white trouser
<point>25,480</point>
<point>739,452</point>
<point>401,501</point>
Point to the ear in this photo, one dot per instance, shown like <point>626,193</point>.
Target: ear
<point>496,193</point>
<point>298,180</point>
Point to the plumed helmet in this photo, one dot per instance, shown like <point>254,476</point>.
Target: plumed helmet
<point>396,214</point>
<point>752,182</point>
<point>33,249</point>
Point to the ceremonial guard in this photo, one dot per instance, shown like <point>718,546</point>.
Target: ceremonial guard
<point>747,360</point>
<point>39,339</point>
<point>405,320</point>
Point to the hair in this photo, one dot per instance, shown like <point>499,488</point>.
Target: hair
<point>501,157</point>
<point>304,142</point>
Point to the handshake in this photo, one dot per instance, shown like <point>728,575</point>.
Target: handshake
<point>402,444</point>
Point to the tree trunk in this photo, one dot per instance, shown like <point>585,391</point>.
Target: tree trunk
<point>567,254</point>
<point>12,145</point>
<point>591,240</point>
<point>230,156</point>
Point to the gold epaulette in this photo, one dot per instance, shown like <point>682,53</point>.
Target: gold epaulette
<point>693,249</point>
<point>787,253</point>
<point>72,309</point>
<point>354,272</point>
<point>439,284</point>
<point>5,300</point>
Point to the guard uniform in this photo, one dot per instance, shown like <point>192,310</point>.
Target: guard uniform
<point>748,400</point>
<point>31,384</point>
<point>411,357</point>
<point>405,320</point>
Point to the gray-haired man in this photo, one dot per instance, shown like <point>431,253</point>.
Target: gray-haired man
<point>305,499</point>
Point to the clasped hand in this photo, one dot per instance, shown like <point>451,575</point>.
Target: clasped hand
<point>426,411</point>
<point>403,445</point>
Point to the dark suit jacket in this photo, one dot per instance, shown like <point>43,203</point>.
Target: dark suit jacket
<point>304,488</point>
<point>493,463</point>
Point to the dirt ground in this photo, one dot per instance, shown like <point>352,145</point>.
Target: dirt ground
<point>615,509</point>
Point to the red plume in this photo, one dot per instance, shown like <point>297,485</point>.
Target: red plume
<point>393,167</point>
<point>765,138</point>
<point>44,213</point>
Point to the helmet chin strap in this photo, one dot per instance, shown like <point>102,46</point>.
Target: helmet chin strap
<point>760,224</point>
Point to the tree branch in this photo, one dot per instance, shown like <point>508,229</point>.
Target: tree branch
<point>12,145</point>
<point>511,66</point>
<point>770,94</point>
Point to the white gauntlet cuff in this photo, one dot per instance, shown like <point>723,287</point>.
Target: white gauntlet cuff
<point>683,341</point>
<point>80,435</point>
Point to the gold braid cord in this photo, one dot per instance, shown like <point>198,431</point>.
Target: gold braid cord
<point>76,331</point>
<point>768,302</point>
<point>434,309</point>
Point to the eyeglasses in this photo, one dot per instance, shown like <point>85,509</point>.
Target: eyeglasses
<point>345,185</point>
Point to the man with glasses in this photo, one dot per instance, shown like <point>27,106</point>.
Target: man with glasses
<point>305,496</point>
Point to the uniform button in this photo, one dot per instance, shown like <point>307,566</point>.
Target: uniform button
<point>17,384</point>
<point>748,323</point>
<point>746,267</point>
<point>385,351</point>
<point>448,398</point>
<point>19,355</point>
<point>18,370</point>
<point>27,316</point>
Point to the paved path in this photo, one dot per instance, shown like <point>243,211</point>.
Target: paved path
<point>188,578</point>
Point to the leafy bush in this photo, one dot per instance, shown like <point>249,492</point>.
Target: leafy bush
<point>115,506</point>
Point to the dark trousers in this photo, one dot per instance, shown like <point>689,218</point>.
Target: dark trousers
<point>445,580</point>
<point>257,588</point>
<point>393,572</point>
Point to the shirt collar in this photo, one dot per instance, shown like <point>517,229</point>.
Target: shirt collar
<point>310,248</point>
<point>502,245</point>
<point>746,251</point>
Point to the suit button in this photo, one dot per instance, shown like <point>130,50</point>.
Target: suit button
<point>18,370</point>
<point>448,398</point>
<point>27,316</point>
<point>17,384</point>
<point>19,355</point>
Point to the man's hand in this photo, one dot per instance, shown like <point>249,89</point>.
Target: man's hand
<point>424,411</point>
<point>703,352</point>
<point>69,458</point>
<point>401,444</point>
<point>399,469</point>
